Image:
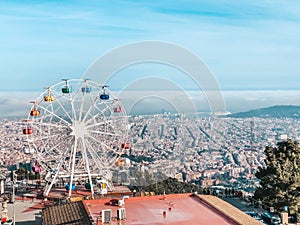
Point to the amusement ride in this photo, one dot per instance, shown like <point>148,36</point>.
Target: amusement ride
<point>78,130</point>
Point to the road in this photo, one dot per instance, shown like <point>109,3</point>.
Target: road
<point>22,214</point>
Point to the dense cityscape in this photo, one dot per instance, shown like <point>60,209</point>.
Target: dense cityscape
<point>205,150</point>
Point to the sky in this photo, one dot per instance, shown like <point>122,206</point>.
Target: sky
<point>248,45</point>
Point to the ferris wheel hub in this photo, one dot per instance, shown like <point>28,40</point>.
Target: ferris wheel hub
<point>78,129</point>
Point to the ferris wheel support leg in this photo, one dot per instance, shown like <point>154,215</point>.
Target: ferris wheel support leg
<point>91,184</point>
<point>73,165</point>
<point>88,168</point>
<point>48,187</point>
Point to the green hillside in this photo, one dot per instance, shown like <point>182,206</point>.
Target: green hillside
<point>277,111</point>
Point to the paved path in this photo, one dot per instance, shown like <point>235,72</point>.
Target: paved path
<point>22,214</point>
<point>242,204</point>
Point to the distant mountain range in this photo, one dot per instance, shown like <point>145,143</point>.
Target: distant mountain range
<point>277,111</point>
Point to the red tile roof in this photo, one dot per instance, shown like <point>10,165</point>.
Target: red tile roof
<point>73,213</point>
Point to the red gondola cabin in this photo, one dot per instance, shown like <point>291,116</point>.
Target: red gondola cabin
<point>27,131</point>
<point>125,145</point>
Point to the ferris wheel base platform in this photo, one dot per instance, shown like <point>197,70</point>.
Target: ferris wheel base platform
<point>82,193</point>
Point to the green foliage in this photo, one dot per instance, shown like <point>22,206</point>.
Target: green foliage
<point>280,178</point>
<point>161,184</point>
<point>22,173</point>
<point>139,158</point>
<point>171,186</point>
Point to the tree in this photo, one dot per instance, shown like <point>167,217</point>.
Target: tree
<point>160,184</point>
<point>280,177</point>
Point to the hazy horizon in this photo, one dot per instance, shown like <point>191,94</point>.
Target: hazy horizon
<point>17,104</point>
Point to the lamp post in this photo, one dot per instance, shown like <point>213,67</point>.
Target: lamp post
<point>13,198</point>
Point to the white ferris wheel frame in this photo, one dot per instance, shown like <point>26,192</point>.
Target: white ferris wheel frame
<point>77,135</point>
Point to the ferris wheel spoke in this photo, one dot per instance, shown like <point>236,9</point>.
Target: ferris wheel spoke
<point>62,142</point>
<point>107,108</point>
<point>55,115</point>
<point>73,109</point>
<point>51,151</point>
<point>103,150</point>
<point>80,165</point>
<point>51,137</point>
<point>62,106</point>
<point>103,132</point>
<point>51,130</point>
<point>58,169</point>
<point>98,124</point>
<point>100,111</point>
<point>73,160</point>
<point>85,158</point>
<point>93,118</point>
<point>77,90</point>
<point>96,158</point>
<point>41,124</point>
<point>89,111</point>
<point>81,110</point>
<point>82,101</point>
<point>102,144</point>
<point>111,149</point>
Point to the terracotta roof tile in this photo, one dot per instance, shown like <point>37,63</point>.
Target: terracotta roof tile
<point>71,213</point>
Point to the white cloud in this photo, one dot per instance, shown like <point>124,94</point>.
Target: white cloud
<point>16,104</point>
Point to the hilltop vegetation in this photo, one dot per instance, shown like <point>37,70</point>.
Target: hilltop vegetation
<point>277,111</point>
<point>161,184</point>
<point>280,178</point>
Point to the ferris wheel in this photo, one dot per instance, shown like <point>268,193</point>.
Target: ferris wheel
<point>77,129</point>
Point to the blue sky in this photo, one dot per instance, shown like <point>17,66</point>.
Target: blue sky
<point>248,45</point>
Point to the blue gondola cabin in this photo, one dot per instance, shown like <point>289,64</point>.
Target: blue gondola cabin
<point>86,89</point>
<point>104,96</point>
